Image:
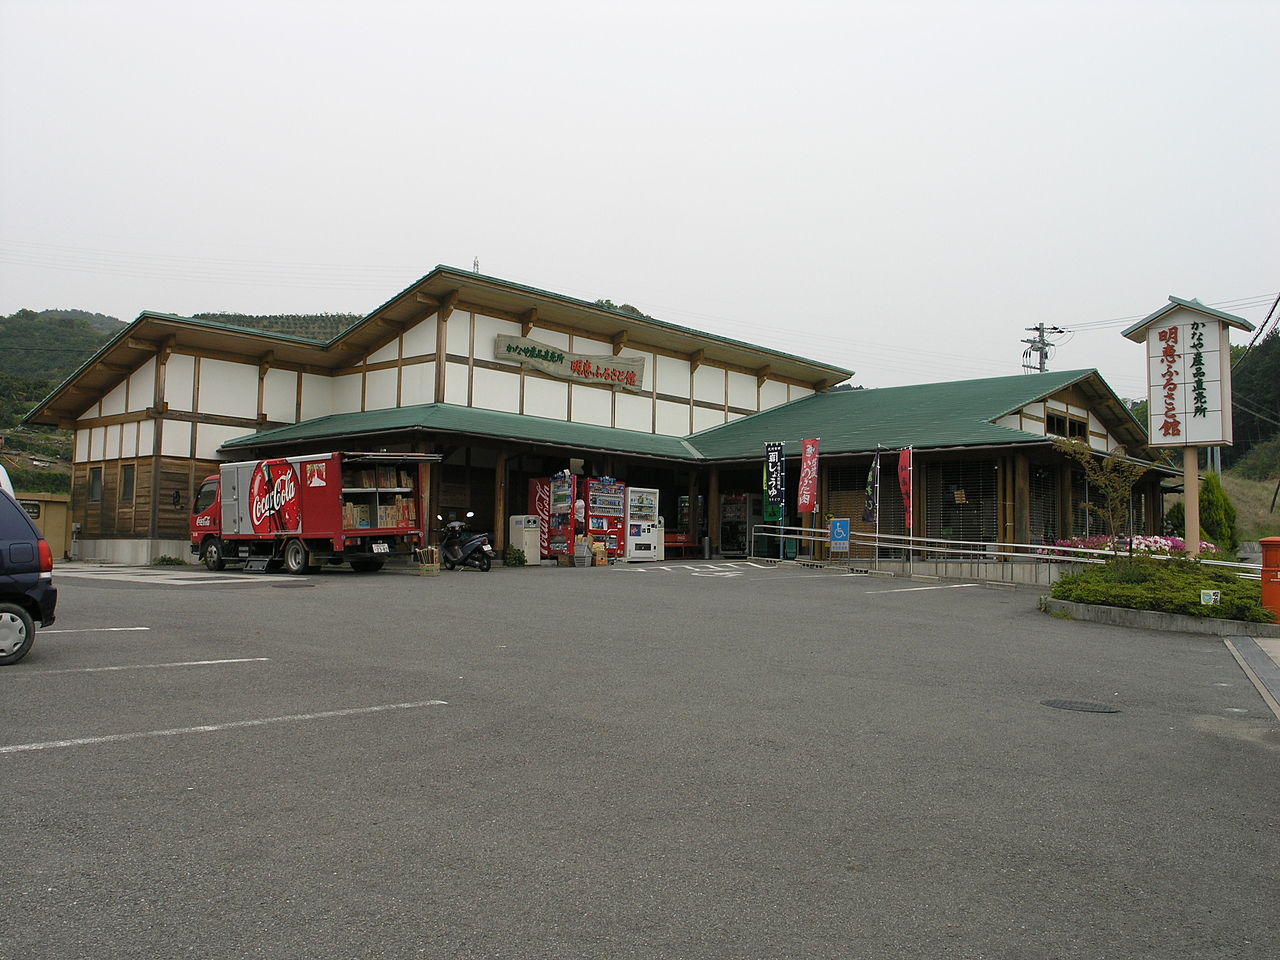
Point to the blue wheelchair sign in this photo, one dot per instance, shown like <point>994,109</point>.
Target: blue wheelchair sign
<point>840,536</point>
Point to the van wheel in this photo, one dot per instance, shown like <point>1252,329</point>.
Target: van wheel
<point>211,553</point>
<point>295,557</point>
<point>17,633</point>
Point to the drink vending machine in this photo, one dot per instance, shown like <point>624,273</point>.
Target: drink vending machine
<point>563,490</point>
<point>605,513</point>
<point>643,525</point>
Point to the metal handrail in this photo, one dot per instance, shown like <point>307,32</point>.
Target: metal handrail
<point>922,547</point>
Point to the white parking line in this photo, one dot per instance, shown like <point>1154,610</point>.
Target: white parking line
<point>145,666</point>
<point>214,727</point>
<point>96,630</point>
<point>137,575</point>
<point>944,586</point>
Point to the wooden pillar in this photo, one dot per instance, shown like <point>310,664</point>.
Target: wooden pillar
<point>500,503</point>
<point>159,406</point>
<point>1021,498</point>
<point>713,507</point>
<point>442,342</point>
<point>1191,498</point>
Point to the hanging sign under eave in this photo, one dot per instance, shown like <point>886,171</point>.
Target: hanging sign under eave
<point>1188,373</point>
<point>599,371</point>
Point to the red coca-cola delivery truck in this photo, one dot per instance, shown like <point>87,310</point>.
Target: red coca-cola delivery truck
<point>302,512</point>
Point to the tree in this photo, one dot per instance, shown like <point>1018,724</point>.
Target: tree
<point>1112,477</point>
<point>1218,515</point>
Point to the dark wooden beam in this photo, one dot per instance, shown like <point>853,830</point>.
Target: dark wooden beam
<point>619,341</point>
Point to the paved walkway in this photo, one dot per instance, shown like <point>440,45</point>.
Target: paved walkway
<point>1260,659</point>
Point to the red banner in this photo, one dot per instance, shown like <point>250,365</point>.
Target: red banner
<point>807,498</point>
<point>904,483</point>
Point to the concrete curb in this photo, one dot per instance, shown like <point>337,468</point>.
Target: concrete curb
<point>1150,620</point>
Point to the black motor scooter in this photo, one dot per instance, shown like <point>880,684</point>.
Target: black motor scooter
<point>461,548</point>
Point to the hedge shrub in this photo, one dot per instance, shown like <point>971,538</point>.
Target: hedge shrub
<point>1165,586</point>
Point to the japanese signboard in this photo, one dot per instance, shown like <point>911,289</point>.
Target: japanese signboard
<point>807,497</point>
<point>775,474</point>
<point>1188,373</point>
<point>605,371</point>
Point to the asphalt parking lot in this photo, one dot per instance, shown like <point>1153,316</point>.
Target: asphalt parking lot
<point>700,760</point>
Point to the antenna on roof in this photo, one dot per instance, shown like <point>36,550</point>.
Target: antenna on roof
<point>1039,345</point>
<point>475,265</point>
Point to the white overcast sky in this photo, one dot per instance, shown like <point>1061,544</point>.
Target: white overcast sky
<point>899,188</point>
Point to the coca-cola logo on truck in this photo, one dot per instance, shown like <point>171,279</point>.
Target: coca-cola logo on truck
<point>274,505</point>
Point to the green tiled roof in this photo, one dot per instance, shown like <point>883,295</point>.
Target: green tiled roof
<point>450,418</point>
<point>928,415</point>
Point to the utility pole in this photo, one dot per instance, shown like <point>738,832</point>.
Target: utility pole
<point>1039,345</point>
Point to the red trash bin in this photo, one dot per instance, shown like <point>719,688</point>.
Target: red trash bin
<point>1271,575</point>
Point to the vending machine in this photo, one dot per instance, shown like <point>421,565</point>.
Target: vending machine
<point>563,490</point>
<point>739,512</point>
<point>643,525</point>
<point>605,513</point>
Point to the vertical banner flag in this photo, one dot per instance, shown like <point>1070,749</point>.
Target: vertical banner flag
<point>869,506</point>
<point>807,498</point>
<point>904,483</point>
<point>775,474</point>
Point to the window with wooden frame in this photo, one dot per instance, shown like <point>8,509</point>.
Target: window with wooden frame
<point>95,484</point>
<point>1063,425</point>
<point>126,483</point>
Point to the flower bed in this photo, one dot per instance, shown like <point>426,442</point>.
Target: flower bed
<point>1149,546</point>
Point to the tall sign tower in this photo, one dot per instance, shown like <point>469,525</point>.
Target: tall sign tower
<point>1188,388</point>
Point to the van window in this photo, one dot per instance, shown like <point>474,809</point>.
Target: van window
<point>204,499</point>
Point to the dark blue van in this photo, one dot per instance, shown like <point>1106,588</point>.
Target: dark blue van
<point>27,593</point>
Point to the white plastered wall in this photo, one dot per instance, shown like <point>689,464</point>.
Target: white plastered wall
<point>704,418</point>
<point>497,390</point>
<point>344,393</point>
<point>742,390</point>
<point>97,443</point>
<point>114,402</point>
<point>176,439</point>
<point>280,395</point>
<point>210,436</point>
<point>592,405</point>
<point>420,339</point>
<point>388,351</point>
<point>672,378</point>
<point>142,386</point>
<point>633,411</point>
<point>487,329</point>
<point>129,441</point>
<point>229,389</point>
<point>419,385</point>
<point>317,396</point>
<point>457,378</point>
<point>179,381</point>
<point>380,389</point>
<point>710,384</point>
<point>546,398</point>
<point>772,394</point>
<point>672,418</point>
<point>458,334</point>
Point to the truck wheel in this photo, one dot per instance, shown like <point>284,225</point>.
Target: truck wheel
<point>295,557</point>
<point>17,633</point>
<point>211,553</point>
<point>366,566</point>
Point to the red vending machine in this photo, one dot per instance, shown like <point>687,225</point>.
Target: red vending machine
<point>560,533</point>
<point>606,514</point>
